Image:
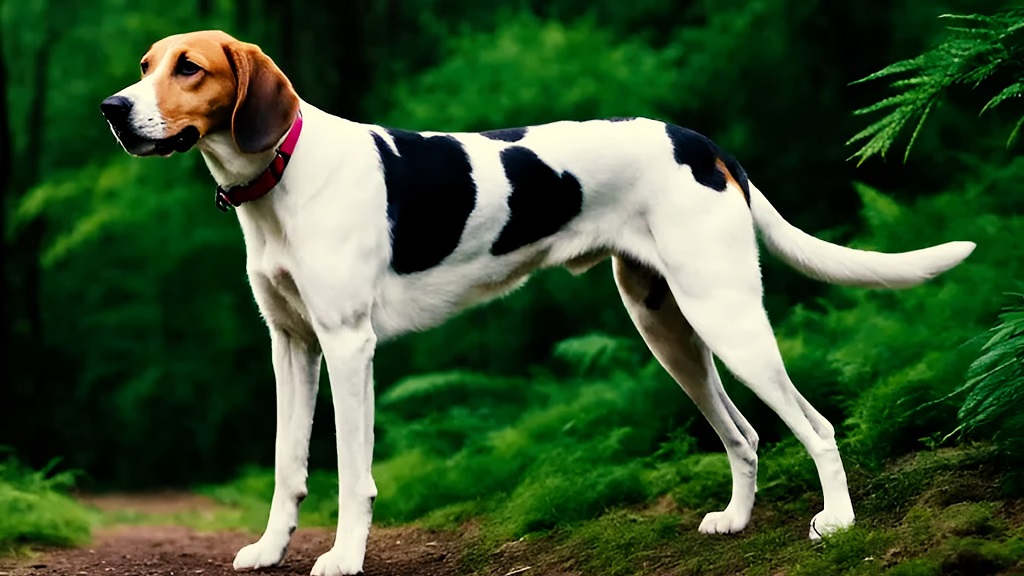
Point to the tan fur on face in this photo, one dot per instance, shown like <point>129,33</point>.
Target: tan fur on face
<point>204,100</point>
<point>210,100</point>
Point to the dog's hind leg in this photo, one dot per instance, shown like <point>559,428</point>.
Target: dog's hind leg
<point>673,342</point>
<point>297,372</point>
<point>711,267</point>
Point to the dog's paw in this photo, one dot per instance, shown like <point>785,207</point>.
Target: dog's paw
<point>260,554</point>
<point>338,562</point>
<point>824,523</point>
<point>724,522</point>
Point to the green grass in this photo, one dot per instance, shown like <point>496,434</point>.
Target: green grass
<point>35,509</point>
<point>933,536</point>
<point>935,512</point>
<point>598,456</point>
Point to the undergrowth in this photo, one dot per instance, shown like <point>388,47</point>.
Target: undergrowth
<point>601,429</point>
<point>35,508</point>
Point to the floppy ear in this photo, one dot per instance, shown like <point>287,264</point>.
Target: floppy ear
<point>265,103</point>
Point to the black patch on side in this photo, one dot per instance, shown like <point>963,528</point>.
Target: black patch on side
<point>542,200</point>
<point>702,155</point>
<point>657,293</point>
<point>620,118</point>
<point>506,134</point>
<point>430,193</point>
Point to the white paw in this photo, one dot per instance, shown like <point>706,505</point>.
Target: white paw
<point>260,554</point>
<point>339,562</point>
<point>824,523</point>
<point>724,522</point>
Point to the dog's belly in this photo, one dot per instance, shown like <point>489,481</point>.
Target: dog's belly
<point>407,303</point>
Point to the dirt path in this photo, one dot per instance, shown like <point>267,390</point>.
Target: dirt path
<point>177,551</point>
<point>173,550</point>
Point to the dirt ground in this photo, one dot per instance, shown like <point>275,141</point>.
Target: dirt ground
<point>173,551</point>
<point>178,551</point>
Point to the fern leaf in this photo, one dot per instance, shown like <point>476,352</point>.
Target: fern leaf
<point>979,47</point>
<point>1015,90</point>
<point>1015,132</point>
<point>917,130</point>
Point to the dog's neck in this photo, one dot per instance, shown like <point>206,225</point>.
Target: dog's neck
<point>229,165</point>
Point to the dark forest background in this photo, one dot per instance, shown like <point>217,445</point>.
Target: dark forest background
<point>134,351</point>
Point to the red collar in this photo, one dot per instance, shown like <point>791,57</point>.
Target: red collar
<point>269,178</point>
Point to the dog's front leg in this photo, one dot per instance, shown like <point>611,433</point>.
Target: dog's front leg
<point>297,372</point>
<point>349,349</point>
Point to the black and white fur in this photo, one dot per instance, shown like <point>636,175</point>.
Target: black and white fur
<point>374,233</point>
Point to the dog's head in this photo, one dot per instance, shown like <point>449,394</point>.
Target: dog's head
<point>197,84</point>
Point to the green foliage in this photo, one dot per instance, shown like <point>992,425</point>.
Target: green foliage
<point>150,348</point>
<point>251,491</point>
<point>531,71</point>
<point>994,406</point>
<point>979,48</point>
<point>554,450</point>
<point>602,426</point>
<point>928,536</point>
<point>34,508</point>
<point>889,359</point>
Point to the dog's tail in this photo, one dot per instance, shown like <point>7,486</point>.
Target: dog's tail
<point>835,264</point>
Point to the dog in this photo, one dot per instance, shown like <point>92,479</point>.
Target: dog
<point>356,233</point>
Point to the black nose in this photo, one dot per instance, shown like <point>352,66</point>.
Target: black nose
<point>116,107</point>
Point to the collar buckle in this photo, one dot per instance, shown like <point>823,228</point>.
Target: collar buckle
<point>260,186</point>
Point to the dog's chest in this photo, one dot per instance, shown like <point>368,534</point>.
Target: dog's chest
<point>270,267</point>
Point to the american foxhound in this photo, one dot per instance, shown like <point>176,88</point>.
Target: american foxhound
<point>356,233</point>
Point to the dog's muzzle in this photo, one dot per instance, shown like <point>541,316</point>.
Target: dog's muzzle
<point>118,109</point>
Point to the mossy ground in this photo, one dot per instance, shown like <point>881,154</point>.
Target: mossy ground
<point>943,512</point>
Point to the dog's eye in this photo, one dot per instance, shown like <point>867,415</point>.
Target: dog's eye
<point>187,67</point>
<point>145,67</point>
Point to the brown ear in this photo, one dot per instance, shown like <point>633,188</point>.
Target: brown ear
<point>265,104</point>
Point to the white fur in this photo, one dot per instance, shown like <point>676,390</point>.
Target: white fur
<point>845,266</point>
<point>318,252</point>
<point>145,118</point>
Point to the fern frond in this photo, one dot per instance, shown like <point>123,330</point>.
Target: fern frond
<point>917,130</point>
<point>995,381</point>
<point>1016,131</point>
<point>1015,90</point>
<point>978,48</point>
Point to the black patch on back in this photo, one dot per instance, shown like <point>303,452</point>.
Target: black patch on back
<point>701,155</point>
<point>430,194</point>
<point>620,118</point>
<point>657,293</point>
<point>542,200</point>
<point>506,134</point>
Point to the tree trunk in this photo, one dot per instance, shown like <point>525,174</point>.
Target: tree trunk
<point>33,156</point>
<point>6,164</point>
<point>287,38</point>
<point>242,18</point>
<point>351,57</point>
<point>24,265</point>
